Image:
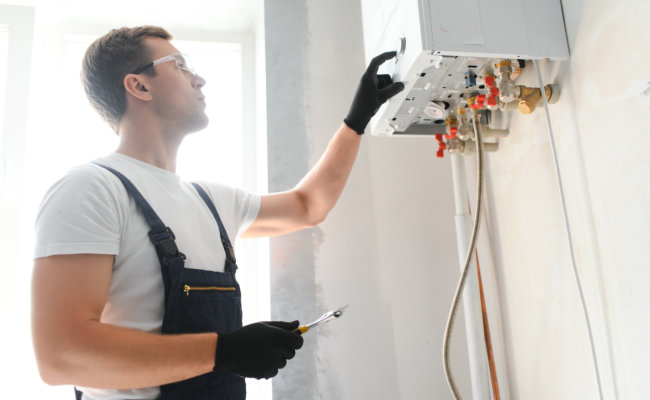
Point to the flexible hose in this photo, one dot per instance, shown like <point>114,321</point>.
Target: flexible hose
<point>468,260</point>
<point>568,230</point>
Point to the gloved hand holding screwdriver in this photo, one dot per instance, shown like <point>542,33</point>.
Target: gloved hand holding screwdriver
<point>257,350</point>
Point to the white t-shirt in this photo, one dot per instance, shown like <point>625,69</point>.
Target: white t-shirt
<point>89,211</point>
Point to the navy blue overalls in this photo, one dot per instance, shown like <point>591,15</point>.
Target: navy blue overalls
<point>196,300</point>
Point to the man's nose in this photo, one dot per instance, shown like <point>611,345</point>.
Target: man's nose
<point>198,82</point>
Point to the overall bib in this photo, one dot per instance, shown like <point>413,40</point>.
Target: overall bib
<point>196,301</point>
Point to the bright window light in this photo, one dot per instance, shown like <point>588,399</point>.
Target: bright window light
<point>65,131</point>
<point>215,154</point>
<point>4,52</point>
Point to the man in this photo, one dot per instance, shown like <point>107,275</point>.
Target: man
<point>134,283</point>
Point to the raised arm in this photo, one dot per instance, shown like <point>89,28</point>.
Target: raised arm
<point>311,200</point>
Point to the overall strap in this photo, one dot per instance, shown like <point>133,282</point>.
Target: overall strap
<point>161,235</point>
<point>227,246</point>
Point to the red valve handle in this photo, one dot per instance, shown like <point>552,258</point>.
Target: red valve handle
<point>452,132</point>
<point>441,146</point>
<point>492,98</point>
<point>480,99</point>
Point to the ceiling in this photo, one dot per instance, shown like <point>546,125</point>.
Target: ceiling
<point>215,16</point>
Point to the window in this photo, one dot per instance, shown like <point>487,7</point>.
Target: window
<point>4,55</point>
<point>202,155</point>
<point>16,25</point>
<point>64,131</point>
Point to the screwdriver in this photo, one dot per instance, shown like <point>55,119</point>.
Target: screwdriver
<point>328,316</point>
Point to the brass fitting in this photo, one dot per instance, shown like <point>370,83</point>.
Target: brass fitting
<point>531,97</point>
<point>465,129</point>
<point>466,147</point>
<point>507,90</point>
<point>509,106</point>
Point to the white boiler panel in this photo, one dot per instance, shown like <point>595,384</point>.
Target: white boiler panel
<point>437,40</point>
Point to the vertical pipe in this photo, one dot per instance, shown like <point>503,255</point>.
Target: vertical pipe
<point>478,363</point>
<point>486,331</point>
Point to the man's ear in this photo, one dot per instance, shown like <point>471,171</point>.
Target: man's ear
<point>136,87</point>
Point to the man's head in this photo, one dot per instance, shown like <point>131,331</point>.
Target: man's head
<point>108,60</point>
<point>120,64</point>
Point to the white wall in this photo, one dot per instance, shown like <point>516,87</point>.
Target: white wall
<point>388,247</point>
<point>601,130</point>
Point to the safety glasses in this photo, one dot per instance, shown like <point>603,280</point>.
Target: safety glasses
<point>182,63</point>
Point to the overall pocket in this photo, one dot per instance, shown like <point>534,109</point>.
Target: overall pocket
<point>207,301</point>
<point>207,290</point>
<point>204,301</point>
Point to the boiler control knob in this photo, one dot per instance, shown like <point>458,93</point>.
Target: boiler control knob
<point>434,110</point>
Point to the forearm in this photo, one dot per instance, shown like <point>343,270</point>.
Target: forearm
<point>322,186</point>
<point>312,199</point>
<point>106,356</point>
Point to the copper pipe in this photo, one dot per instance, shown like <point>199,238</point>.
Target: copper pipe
<point>486,327</point>
<point>486,332</point>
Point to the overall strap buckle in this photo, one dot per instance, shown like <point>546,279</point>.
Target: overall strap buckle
<point>230,251</point>
<point>165,245</point>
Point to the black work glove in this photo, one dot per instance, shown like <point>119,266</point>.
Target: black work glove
<point>257,350</point>
<point>372,92</point>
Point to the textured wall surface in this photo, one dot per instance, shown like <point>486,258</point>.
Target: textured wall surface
<point>388,247</point>
<point>293,291</point>
<point>601,131</point>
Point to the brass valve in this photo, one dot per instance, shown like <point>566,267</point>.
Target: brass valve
<point>452,127</point>
<point>531,97</point>
<point>466,147</point>
<point>507,90</point>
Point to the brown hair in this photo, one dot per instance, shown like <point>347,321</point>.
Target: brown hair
<point>108,60</point>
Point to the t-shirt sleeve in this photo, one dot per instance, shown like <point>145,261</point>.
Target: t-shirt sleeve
<point>79,214</point>
<point>244,207</point>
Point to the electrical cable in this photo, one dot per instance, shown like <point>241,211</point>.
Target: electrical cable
<point>468,260</point>
<point>568,228</point>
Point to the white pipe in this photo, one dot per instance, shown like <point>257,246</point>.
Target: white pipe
<point>477,353</point>
<point>567,227</point>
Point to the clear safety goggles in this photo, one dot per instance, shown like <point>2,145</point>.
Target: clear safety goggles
<point>182,62</point>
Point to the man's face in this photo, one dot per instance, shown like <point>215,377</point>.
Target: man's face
<point>177,98</point>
